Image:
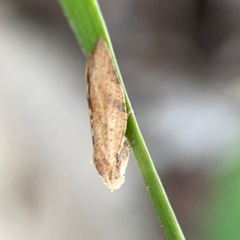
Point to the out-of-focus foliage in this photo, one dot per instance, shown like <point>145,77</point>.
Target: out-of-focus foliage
<point>222,216</point>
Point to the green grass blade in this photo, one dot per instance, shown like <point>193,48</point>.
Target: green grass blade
<point>88,25</point>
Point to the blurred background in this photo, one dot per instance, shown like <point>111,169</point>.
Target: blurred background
<point>180,64</point>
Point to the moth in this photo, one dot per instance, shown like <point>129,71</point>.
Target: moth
<point>108,117</point>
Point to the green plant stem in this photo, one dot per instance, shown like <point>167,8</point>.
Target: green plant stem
<point>88,25</point>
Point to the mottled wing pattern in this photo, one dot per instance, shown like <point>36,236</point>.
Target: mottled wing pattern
<point>107,115</point>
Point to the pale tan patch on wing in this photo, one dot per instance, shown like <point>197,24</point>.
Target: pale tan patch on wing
<point>107,115</point>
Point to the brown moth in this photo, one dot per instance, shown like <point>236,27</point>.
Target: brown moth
<point>108,117</point>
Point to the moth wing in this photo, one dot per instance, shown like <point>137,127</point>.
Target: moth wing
<point>107,105</point>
